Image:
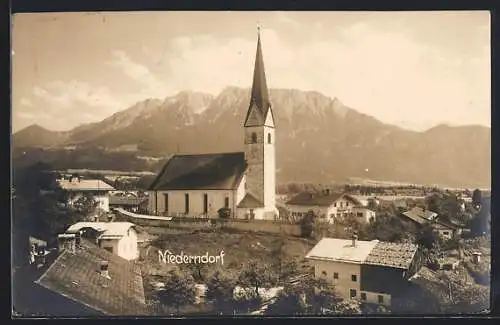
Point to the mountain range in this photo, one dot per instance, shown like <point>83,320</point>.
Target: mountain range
<point>318,138</point>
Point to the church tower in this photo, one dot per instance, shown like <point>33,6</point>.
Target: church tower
<point>260,142</point>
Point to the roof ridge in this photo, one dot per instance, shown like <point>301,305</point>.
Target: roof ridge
<point>208,154</point>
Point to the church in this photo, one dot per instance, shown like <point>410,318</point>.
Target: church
<point>243,182</point>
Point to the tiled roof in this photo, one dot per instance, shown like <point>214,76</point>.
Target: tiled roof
<point>420,215</point>
<point>341,250</point>
<point>39,242</point>
<point>108,229</point>
<point>85,185</point>
<point>250,201</point>
<point>207,171</point>
<point>77,277</point>
<point>373,252</point>
<point>311,199</point>
<point>396,255</point>
<point>124,200</point>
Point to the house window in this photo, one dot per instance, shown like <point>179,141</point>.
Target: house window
<point>323,273</point>
<point>360,214</point>
<point>254,137</point>
<point>341,204</point>
<point>226,202</point>
<point>335,275</point>
<point>269,138</point>
<point>354,278</point>
<point>205,203</point>
<point>347,204</point>
<point>165,196</point>
<point>352,293</point>
<point>380,299</point>
<point>186,202</point>
<point>334,204</point>
<point>446,233</point>
<point>363,295</point>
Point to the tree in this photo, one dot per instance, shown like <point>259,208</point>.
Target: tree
<point>307,224</point>
<point>86,207</point>
<point>347,307</point>
<point>290,302</point>
<point>323,298</point>
<point>427,237</point>
<point>224,213</point>
<point>220,289</point>
<point>38,207</point>
<point>179,290</point>
<point>477,198</point>
<point>254,274</point>
<point>197,270</point>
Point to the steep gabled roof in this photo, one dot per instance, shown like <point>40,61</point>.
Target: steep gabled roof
<point>76,276</point>
<point>201,172</point>
<point>311,199</point>
<point>259,98</point>
<point>250,202</point>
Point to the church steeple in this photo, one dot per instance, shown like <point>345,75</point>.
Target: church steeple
<point>259,100</point>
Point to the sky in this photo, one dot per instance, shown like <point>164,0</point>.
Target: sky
<point>412,69</point>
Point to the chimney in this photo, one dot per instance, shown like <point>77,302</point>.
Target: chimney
<point>104,269</point>
<point>476,257</point>
<point>78,239</point>
<point>40,256</point>
<point>354,239</point>
<point>66,242</point>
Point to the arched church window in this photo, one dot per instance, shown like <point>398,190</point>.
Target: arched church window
<point>269,138</point>
<point>254,137</point>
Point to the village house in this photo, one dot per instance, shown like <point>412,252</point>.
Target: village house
<point>127,201</point>
<point>85,280</point>
<point>421,217</point>
<point>373,272</point>
<point>119,238</point>
<point>329,206</point>
<point>76,187</point>
<point>243,182</point>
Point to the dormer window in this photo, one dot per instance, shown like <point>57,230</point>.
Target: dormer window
<point>254,137</point>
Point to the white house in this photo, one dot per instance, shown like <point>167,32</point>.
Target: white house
<point>119,238</point>
<point>244,182</point>
<point>78,187</point>
<point>370,271</point>
<point>329,206</point>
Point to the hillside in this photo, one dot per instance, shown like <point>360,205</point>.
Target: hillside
<point>319,139</point>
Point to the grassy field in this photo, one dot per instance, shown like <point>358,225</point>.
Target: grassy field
<point>239,247</point>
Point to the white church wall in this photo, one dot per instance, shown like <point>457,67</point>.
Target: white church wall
<point>177,205</point>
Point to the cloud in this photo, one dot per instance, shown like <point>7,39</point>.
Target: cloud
<point>63,105</point>
<point>150,85</point>
<point>385,74</point>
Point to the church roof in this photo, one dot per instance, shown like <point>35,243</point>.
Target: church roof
<point>250,202</point>
<point>259,100</point>
<point>201,172</point>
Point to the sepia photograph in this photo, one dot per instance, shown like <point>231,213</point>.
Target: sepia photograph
<point>239,163</point>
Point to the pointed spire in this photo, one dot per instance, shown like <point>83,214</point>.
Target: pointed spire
<point>259,96</point>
